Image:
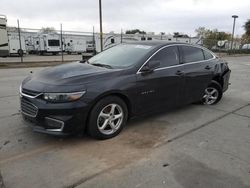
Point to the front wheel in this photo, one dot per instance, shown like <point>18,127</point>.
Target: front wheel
<point>213,94</point>
<point>107,118</point>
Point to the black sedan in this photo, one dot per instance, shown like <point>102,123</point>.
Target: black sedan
<point>99,95</point>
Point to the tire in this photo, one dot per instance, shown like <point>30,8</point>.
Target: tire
<point>102,117</point>
<point>20,52</point>
<point>212,94</point>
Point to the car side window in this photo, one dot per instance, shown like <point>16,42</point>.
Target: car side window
<point>207,55</point>
<point>168,56</point>
<point>191,54</point>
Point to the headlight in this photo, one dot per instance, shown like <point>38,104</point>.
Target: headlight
<point>63,97</point>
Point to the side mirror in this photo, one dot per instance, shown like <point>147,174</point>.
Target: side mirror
<point>150,66</point>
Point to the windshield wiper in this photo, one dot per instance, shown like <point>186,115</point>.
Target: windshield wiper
<point>102,65</point>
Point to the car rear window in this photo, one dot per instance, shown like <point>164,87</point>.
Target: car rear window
<point>191,54</point>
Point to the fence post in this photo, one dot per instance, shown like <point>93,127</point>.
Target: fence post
<point>100,15</point>
<point>62,44</point>
<point>20,42</point>
<point>93,42</point>
<point>121,35</point>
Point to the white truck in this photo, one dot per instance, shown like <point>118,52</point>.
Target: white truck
<point>47,43</point>
<point>4,44</point>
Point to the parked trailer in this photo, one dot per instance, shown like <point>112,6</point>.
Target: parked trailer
<point>14,45</point>
<point>4,46</point>
<point>30,45</point>
<point>75,44</point>
<point>47,43</point>
<point>109,40</point>
<point>245,47</point>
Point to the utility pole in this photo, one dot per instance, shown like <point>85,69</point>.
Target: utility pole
<point>100,14</point>
<point>234,17</point>
<point>121,35</point>
<point>93,42</point>
<point>20,42</point>
<point>62,44</point>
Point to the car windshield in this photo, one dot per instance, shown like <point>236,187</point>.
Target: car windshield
<point>120,56</point>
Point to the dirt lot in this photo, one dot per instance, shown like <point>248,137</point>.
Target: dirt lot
<point>194,146</point>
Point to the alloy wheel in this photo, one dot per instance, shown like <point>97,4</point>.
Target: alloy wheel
<point>110,119</point>
<point>210,96</point>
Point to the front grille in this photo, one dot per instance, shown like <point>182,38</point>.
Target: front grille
<point>30,92</point>
<point>28,108</point>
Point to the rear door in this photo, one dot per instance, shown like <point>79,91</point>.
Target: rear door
<point>160,88</point>
<point>198,69</point>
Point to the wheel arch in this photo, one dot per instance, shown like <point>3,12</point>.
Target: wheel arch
<point>218,80</point>
<point>122,96</point>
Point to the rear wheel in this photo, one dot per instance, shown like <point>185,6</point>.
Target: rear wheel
<point>213,94</point>
<point>107,118</point>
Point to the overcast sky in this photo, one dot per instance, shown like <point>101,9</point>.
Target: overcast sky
<point>150,15</point>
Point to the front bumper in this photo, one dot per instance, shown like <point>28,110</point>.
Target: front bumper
<point>59,119</point>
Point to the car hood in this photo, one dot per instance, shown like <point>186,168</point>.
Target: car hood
<point>68,75</point>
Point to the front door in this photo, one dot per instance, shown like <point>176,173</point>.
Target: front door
<point>160,89</point>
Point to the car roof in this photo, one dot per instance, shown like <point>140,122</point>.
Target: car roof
<point>159,43</point>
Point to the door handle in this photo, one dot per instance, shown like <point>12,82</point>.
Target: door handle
<point>179,73</point>
<point>208,67</point>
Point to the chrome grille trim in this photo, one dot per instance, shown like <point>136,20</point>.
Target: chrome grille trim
<point>59,121</point>
<point>29,109</point>
<point>28,95</point>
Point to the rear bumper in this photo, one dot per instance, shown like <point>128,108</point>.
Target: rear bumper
<point>226,77</point>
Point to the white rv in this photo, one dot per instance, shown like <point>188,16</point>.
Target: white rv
<point>47,43</point>
<point>109,40</point>
<point>246,47</point>
<point>9,42</point>
<point>4,47</point>
<point>30,45</point>
<point>75,44</point>
<point>14,45</point>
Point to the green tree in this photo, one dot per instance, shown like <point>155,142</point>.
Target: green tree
<point>179,35</point>
<point>211,37</point>
<point>202,32</point>
<point>245,39</point>
<point>134,31</point>
<point>47,30</point>
<point>247,27</point>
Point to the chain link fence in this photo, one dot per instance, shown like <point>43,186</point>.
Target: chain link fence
<point>226,46</point>
<point>49,45</point>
